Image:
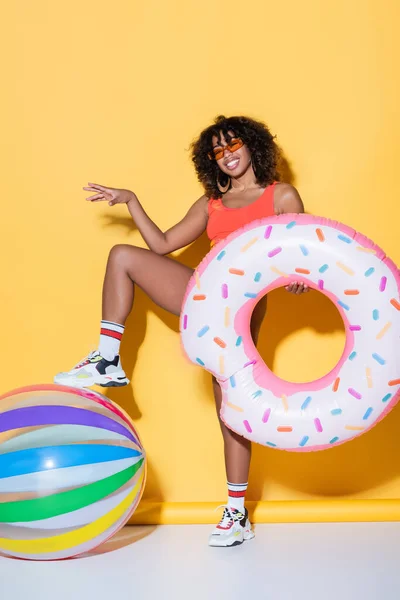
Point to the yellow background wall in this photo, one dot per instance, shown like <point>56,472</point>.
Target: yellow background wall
<point>114,93</point>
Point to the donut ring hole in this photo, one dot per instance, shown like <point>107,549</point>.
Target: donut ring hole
<point>302,338</point>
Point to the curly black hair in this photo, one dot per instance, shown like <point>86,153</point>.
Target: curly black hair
<point>257,137</point>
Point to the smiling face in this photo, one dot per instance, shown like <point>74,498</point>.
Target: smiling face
<point>234,163</point>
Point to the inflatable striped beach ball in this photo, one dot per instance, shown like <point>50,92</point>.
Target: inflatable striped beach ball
<point>72,471</point>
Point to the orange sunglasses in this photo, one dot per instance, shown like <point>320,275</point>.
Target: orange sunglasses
<point>232,146</point>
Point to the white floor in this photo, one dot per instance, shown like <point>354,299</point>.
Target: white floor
<point>346,561</point>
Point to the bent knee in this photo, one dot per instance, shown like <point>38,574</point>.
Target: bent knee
<point>121,253</point>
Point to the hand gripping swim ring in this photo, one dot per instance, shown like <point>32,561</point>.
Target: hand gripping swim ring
<point>342,264</point>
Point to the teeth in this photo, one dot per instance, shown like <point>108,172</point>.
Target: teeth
<point>232,162</point>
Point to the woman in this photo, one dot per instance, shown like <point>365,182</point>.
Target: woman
<point>236,162</point>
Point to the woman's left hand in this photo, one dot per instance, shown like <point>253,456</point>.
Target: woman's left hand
<point>297,287</point>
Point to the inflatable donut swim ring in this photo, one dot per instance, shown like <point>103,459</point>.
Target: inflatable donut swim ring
<point>353,273</point>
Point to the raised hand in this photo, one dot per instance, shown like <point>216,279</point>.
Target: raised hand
<point>111,195</point>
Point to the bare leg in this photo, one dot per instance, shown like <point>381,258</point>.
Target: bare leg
<point>163,279</point>
<point>237,448</point>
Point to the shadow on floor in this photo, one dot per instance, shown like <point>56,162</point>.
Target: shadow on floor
<point>125,537</point>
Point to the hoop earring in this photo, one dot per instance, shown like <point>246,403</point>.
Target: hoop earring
<point>253,167</point>
<point>224,188</point>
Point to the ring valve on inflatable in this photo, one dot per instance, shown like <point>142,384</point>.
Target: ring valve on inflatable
<point>353,273</point>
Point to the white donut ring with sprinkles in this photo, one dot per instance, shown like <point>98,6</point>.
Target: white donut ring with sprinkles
<point>345,266</point>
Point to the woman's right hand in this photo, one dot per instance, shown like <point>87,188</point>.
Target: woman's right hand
<point>111,195</point>
<point>180,235</point>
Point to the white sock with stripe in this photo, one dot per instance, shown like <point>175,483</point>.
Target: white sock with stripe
<point>110,339</point>
<point>236,494</point>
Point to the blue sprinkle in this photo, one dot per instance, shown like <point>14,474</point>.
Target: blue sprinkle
<point>306,403</point>
<point>333,440</point>
<point>367,414</point>
<point>256,394</point>
<point>221,255</point>
<point>290,225</point>
<point>375,314</point>
<point>386,398</point>
<point>257,277</point>
<point>250,295</point>
<point>304,440</point>
<point>239,340</point>
<point>304,250</point>
<point>352,355</point>
<point>202,331</point>
<point>343,305</point>
<point>379,359</point>
<point>232,381</point>
<point>200,362</point>
<point>344,238</point>
<point>336,411</point>
<point>271,444</point>
<point>324,268</point>
<point>369,271</point>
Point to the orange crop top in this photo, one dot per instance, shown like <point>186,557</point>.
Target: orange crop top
<point>223,220</point>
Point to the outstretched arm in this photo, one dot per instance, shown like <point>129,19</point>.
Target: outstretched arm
<point>180,235</point>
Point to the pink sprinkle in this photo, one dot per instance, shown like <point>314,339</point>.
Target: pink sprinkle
<point>382,285</point>
<point>247,425</point>
<point>266,415</point>
<point>251,362</point>
<point>355,328</point>
<point>354,393</point>
<point>268,232</point>
<point>321,284</point>
<point>318,425</point>
<point>224,290</point>
<point>185,321</point>
<point>274,252</point>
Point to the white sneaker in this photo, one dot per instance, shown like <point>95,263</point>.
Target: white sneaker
<point>94,370</point>
<point>233,529</point>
